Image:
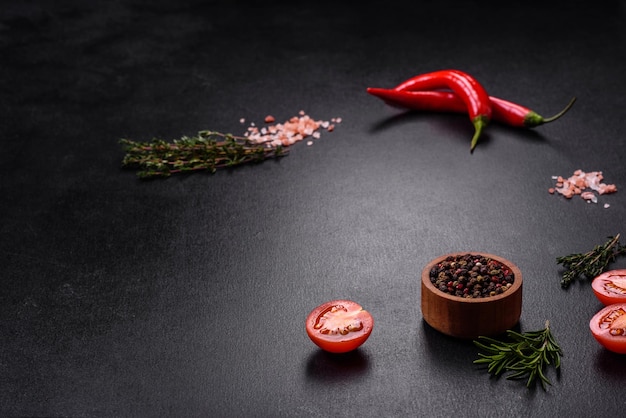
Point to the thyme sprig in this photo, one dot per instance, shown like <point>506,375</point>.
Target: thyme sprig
<point>206,151</point>
<point>526,356</point>
<point>591,263</point>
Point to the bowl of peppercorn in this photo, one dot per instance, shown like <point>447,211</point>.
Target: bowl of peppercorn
<point>471,294</point>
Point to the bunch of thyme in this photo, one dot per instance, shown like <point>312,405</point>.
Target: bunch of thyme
<point>592,263</point>
<point>527,355</point>
<point>207,151</point>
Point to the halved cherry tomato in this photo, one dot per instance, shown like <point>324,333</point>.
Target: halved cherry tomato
<point>339,326</point>
<point>608,327</point>
<point>610,287</point>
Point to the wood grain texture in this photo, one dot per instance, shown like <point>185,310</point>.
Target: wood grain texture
<point>471,317</point>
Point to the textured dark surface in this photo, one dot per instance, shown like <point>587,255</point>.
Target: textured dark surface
<point>187,296</point>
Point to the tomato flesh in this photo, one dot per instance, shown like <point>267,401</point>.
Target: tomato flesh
<point>608,327</point>
<point>339,326</point>
<point>610,287</point>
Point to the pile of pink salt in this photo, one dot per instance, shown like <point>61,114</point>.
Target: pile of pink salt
<point>288,133</point>
<point>584,184</point>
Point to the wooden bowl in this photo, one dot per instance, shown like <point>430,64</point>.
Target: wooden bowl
<point>462,317</point>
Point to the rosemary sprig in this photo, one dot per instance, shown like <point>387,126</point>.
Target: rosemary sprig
<point>592,263</point>
<point>526,356</point>
<point>207,151</point>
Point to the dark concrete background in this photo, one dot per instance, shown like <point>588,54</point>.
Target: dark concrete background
<point>187,296</point>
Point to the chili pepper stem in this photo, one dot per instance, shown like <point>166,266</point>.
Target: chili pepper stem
<point>480,123</point>
<point>532,119</point>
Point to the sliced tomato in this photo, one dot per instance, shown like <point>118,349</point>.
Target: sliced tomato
<point>610,287</point>
<point>608,327</point>
<point>339,326</point>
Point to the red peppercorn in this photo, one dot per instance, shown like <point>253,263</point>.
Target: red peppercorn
<point>482,279</point>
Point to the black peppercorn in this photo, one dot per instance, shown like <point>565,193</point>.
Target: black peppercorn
<point>471,276</point>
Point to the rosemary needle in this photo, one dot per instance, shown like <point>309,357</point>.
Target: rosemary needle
<point>524,357</point>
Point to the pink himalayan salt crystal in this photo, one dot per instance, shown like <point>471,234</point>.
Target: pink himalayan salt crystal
<point>583,184</point>
<point>289,132</point>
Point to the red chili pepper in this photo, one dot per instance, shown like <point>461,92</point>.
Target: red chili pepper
<point>436,101</point>
<point>470,91</point>
<point>503,111</point>
<point>520,116</point>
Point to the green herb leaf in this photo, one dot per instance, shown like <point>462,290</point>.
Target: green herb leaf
<point>524,357</point>
<point>591,263</point>
<point>207,151</point>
